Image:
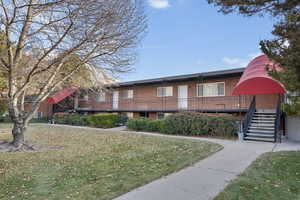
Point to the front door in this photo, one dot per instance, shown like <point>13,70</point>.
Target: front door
<point>115,99</point>
<point>182,96</point>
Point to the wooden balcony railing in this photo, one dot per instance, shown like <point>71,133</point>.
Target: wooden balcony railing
<point>174,104</point>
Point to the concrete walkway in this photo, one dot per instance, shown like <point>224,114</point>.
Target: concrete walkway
<point>208,177</point>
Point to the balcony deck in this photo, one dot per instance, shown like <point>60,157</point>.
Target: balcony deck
<point>226,104</point>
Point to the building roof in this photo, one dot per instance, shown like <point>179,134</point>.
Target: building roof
<point>186,77</point>
<point>256,80</point>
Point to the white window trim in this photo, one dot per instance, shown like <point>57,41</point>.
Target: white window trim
<point>197,91</point>
<point>101,100</point>
<point>157,93</point>
<point>127,97</point>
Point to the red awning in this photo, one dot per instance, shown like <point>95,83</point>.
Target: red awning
<point>61,95</point>
<point>255,79</point>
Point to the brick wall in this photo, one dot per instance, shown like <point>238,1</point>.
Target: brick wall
<point>45,108</point>
<point>145,98</point>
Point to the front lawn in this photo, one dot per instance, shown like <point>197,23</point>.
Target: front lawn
<point>93,164</point>
<point>273,176</point>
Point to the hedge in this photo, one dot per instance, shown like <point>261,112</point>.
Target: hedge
<point>188,124</point>
<point>145,124</point>
<point>96,120</point>
<point>34,120</point>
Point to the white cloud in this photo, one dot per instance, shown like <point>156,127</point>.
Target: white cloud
<point>159,3</point>
<point>240,62</point>
<point>235,62</point>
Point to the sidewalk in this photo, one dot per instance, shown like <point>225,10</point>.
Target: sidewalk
<point>207,178</point>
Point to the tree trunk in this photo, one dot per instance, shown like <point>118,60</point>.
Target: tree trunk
<point>18,131</point>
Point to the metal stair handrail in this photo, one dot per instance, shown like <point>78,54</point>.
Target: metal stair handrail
<point>277,121</point>
<point>249,116</point>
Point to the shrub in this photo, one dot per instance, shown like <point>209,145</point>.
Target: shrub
<point>61,118</point>
<point>138,124</point>
<point>40,120</point>
<point>34,120</point>
<point>96,120</point>
<point>145,124</point>
<point>105,120</point>
<point>200,124</point>
<point>5,120</point>
<point>188,124</point>
<point>155,126</point>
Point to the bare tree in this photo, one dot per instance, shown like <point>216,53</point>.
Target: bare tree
<point>41,36</point>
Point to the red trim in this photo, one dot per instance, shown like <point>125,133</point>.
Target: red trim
<point>61,95</point>
<point>255,79</point>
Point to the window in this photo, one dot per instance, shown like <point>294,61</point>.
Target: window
<point>211,89</point>
<point>38,115</point>
<point>100,97</point>
<point>84,97</point>
<point>127,94</point>
<point>162,115</point>
<point>165,91</point>
<point>129,115</point>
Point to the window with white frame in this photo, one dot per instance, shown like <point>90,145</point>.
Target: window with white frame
<point>38,115</point>
<point>100,97</point>
<point>127,94</point>
<point>211,89</point>
<point>165,91</point>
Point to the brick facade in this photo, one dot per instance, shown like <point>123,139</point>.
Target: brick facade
<point>145,99</point>
<point>146,102</point>
<point>45,109</point>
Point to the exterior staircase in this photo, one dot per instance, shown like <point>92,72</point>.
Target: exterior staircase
<point>262,127</point>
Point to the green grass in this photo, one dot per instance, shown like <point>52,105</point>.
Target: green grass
<point>273,176</point>
<point>93,164</point>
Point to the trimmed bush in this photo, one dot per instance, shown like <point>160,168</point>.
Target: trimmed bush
<point>96,120</point>
<point>105,120</point>
<point>5,120</point>
<point>156,126</point>
<point>138,124</point>
<point>188,124</point>
<point>40,120</point>
<point>201,124</point>
<point>35,120</point>
<point>145,124</point>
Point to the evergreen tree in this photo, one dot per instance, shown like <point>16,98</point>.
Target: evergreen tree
<point>284,49</point>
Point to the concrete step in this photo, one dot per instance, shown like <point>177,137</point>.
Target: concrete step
<point>268,125</point>
<point>260,119</point>
<point>261,131</point>
<point>265,113</point>
<point>263,121</point>
<point>259,139</point>
<point>260,135</point>
<point>258,128</point>
<point>264,118</point>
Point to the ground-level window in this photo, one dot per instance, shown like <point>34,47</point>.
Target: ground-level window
<point>127,94</point>
<point>163,115</point>
<point>100,97</point>
<point>83,97</point>
<point>38,115</point>
<point>211,89</point>
<point>129,114</point>
<point>165,91</point>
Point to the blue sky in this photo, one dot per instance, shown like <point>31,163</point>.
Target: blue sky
<point>190,36</point>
